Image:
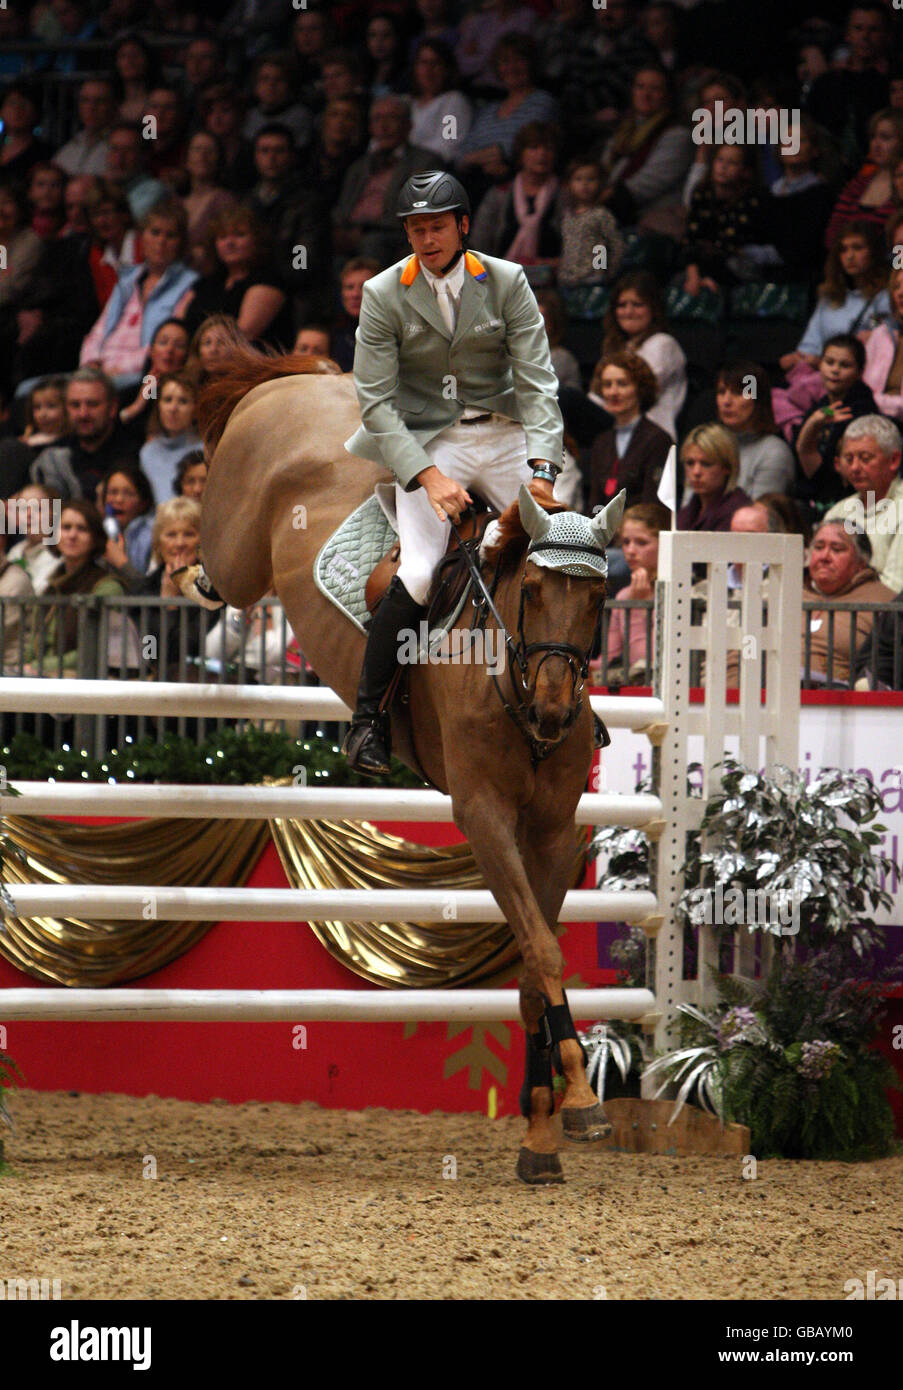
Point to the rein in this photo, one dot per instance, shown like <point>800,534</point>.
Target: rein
<point>521,651</point>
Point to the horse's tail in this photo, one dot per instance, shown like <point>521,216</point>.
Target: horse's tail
<point>247,367</point>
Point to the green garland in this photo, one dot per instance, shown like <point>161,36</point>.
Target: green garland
<point>231,756</point>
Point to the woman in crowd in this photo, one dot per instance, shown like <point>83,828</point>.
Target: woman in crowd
<point>137,73</point>
<point>212,345</point>
<point>354,275</point>
<point>839,571</point>
<point>521,223</point>
<point>175,538</point>
<point>126,496</point>
<point>869,196</point>
<point>52,644</point>
<point>632,454</point>
<point>168,353</point>
<point>45,424</point>
<point>160,288</point>
<point>726,219</point>
<point>635,322</point>
<point>172,433</point>
<point>115,241</point>
<point>711,463</point>
<point>628,650</point>
<point>20,149</point>
<point>743,400</point>
<point>242,285</point>
<point>385,52</point>
<point>222,112</point>
<point>884,354</point>
<point>191,475</point>
<point>646,160</point>
<point>32,553</point>
<point>488,146</point>
<point>206,196</point>
<point>436,98</point>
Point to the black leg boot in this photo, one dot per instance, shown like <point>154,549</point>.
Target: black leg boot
<point>368,745</point>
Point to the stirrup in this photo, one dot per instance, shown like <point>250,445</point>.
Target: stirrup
<point>195,583</point>
<point>368,746</point>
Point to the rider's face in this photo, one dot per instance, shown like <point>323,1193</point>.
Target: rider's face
<point>435,237</point>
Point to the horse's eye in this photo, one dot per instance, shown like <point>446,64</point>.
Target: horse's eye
<point>531,592</point>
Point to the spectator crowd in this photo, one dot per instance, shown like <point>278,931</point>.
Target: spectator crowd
<point>717,254</point>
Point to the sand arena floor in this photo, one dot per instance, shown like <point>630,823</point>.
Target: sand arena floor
<point>264,1201</point>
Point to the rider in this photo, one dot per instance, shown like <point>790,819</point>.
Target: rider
<point>456,390</point>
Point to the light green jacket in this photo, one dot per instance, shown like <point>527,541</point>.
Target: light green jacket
<point>414,378</point>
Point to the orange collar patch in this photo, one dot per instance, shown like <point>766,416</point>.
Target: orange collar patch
<point>471,263</point>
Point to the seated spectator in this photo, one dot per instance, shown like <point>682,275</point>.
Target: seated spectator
<point>441,115</point>
<point>222,113</point>
<point>203,61</point>
<point>887,672</point>
<point>846,397</point>
<point>386,63</point>
<point>884,354</point>
<point>168,353</point>
<point>166,161</point>
<point>254,638</point>
<point>161,287</point>
<point>481,33</point>
<point>242,286</point>
<point>521,222</point>
<point>790,515</point>
<point>19,268</point>
<point>845,97</point>
<point>595,73</point>
<point>800,204</point>
<point>36,552</point>
<point>327,160</point>
<point>127,171</point>
<point>852,297</point>
<point>175,538</point>
<point>297,225</point>
<point>115,242</point>
<point>171,434</point>
<point>313,339</point>
<point>646,160</point>
<point>363,220</point>
<point>191,475</point>
<point>564,363</point>
<point>714,87</point>
<point>627,632</point>
<point>726,223</point>
<point>870,455</point>
<point>52,643</point>
<point>86,152</point>
<point>436,23</point>
<point>20,148</point>
<point>75,465</point>
<point>587,229</point>
<point>869,196</point>
<point>137,71</point>
<point>743,396</point>
<point>488,147</point>
<point>711,463</point>
<point>340,76</point>
<point>840,570</point>
<point>45,424</point>
<point>126,496</point>
<point>635,322</point>
<point>80,192</point>
<point>46,185</point>
<point>212,345</point>
<point>15,584</point>
<point>311,36</point>
<point>272,85</point>
<point>206,197</point>
<point>355,274</point>
<point>632,454</point>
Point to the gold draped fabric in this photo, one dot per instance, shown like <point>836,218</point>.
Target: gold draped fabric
<point>220,853</point>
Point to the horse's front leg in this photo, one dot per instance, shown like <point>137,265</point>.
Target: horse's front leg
<point>549,856</point>
<point>488,818</point>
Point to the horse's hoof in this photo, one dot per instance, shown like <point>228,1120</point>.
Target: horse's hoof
<point>584,1124</point>
<point>536,1169</point>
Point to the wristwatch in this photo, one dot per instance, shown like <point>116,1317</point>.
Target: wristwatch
<point>548,471</point>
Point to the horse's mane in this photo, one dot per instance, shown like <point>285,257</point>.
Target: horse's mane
<point>508,549</point>
<point>246,368</point>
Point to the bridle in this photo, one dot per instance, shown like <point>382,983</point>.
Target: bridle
<point>521,651</point>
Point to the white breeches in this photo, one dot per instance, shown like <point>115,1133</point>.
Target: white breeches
<point>491,457</point>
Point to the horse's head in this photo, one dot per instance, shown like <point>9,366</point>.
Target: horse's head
<point>561,598</point>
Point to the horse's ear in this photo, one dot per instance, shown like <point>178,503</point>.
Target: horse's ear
<point>606,522</point>
<point>534,520</point>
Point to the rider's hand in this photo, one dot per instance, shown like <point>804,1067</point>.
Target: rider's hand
<point>447,497</point>
<point>542,491</point>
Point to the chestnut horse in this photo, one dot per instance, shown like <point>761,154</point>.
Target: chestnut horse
<point>280,484</point>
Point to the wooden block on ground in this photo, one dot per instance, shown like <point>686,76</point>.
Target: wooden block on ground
<point>641,1126</point>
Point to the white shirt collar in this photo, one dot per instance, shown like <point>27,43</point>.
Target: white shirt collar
<point>454,279</point>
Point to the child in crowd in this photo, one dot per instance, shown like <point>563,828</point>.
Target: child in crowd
<point>172,434</point>
<point>35,553</point>
<point>724,221</point>
<point>846,396</point>
<point>45,423</point>
<point>628,648</point>
<point>592,246</point>
<point>191,475</point>
<point>801,203</point>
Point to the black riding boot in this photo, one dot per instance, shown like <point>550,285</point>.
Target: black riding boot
<point>368,745</point>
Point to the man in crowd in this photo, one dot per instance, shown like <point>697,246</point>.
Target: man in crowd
<point>364,221</point>
<point>870,454</point>
<point>87,152</point>
<point>126,169</point>
<point>97,440</point>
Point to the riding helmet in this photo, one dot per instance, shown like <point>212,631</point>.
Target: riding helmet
<point>432,191</point>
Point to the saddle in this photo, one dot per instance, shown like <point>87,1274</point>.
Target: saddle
<point>451,574</point>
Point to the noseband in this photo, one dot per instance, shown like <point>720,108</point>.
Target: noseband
<point>521,651</point>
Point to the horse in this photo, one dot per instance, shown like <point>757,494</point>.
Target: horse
<point>280,484</point>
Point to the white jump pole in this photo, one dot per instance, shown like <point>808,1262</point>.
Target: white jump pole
<point>285,803</point>
<point>22,694</point>
<point>303,1006</point>
<point>150,903</point>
